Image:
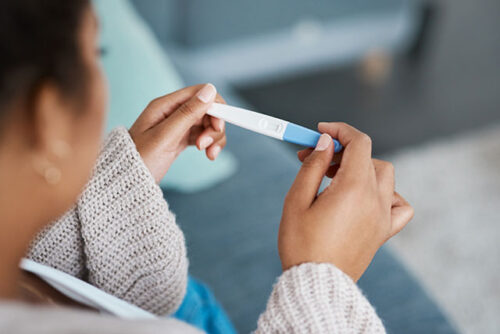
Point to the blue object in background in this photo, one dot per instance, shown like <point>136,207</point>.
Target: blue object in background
<point>303,136</point>
<point>200,308</point>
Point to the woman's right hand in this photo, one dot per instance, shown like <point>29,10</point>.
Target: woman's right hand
<point>348,221</point>
<point>172,122</point>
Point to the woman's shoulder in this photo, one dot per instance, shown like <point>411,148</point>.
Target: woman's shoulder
<point>23,318</point>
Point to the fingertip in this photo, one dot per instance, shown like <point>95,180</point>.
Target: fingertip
<point>213,152</point>
<point>321,125</point>
<point>220,125</point>
<point>207,93</point>
<point>324,142</point>
<point>217,124</point>
<point>302,154</point>
<point>205,142</point>
<point>324,126</point>
<point>220,99</point>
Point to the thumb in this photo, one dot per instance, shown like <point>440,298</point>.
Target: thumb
<point>189,113</point>
<point>305,187</point>
<point>401,213</point>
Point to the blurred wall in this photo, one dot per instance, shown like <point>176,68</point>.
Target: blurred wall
<point>195,23</point>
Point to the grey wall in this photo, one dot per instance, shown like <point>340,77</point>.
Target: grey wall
<point>194,23</point>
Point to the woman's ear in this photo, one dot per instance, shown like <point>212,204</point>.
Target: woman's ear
<point>52,125</point>
<point>53,121</point>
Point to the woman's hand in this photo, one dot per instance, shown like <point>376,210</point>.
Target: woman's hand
<point>172,122</point>
<point>346,223</point>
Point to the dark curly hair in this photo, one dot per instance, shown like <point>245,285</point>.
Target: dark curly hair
<point>38,42</point>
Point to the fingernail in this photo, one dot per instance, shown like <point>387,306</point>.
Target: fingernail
<point>220,125</point>
<point>207,93</point>
<point>323,142</point>
<point>205,142</point>
<point>216,151</point>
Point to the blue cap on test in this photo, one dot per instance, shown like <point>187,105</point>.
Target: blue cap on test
<point>306,137</point>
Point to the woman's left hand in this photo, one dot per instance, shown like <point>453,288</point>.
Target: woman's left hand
<point>172,122</point>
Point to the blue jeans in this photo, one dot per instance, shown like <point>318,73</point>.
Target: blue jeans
<point>200,308</point>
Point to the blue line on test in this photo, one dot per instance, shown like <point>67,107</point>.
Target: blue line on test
<point>306,137</point>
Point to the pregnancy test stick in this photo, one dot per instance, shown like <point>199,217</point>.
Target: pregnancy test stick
<point>268,125</point>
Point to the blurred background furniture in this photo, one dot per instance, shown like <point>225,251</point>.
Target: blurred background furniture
<point>405,71</point>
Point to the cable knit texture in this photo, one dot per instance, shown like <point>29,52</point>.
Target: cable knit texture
<point>121,237</point>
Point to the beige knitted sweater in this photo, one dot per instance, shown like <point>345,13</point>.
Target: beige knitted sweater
<point>121,237</point>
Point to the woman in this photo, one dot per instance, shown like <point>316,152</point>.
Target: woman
<point>117,231</point>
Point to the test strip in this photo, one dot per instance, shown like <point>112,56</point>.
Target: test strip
<point>268,125</point>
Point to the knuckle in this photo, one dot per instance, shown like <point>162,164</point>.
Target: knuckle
<point>311,163</point>
<point>154,103</point>
<point>151,105</point>
<point>365,139</point>
<point>187,110</point>
<point>389,167</point>
<point>219,136</point>
<point>388,175</point>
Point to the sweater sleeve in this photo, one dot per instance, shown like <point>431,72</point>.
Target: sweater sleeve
<point>121,236</point>
<point>317,298</point>
<point>60,245</point>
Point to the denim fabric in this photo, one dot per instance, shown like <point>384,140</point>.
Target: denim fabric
<point>200,308</point>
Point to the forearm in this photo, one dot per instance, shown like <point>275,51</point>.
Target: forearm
<point>318,298</point>
<point>120,236</point>
<point>133,247</point>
